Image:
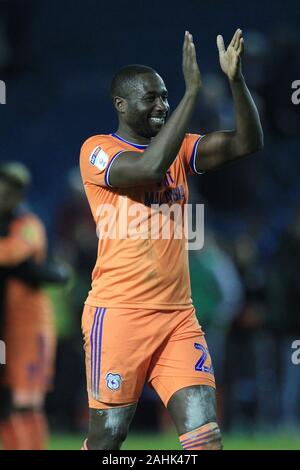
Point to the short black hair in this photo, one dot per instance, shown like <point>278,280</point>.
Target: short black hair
<point>124,79</point>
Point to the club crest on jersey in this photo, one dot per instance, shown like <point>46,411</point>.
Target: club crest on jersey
<point>99,158</point>
<point>113,381</point>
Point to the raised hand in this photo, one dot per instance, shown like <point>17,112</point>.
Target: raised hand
<point>230,58</point>
<point>191,72</point>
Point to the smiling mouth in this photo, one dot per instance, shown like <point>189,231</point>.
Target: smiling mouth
<point>157,120</point>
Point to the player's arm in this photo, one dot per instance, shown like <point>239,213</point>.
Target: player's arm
<point>14,250</point>
<point>218,148</point>
<point>24,238</point>
<point>134,168</point>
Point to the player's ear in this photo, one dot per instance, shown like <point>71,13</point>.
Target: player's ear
<point>120,104</point>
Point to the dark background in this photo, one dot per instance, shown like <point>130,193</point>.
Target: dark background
<point>57,59</point>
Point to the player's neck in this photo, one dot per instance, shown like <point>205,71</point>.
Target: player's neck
<point>131,136</point>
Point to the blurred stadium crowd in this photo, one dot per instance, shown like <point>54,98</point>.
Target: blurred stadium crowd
<point>57,63</point>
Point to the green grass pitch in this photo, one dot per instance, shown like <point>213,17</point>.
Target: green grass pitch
<point>169,441</point>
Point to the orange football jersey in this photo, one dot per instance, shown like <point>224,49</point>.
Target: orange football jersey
<point>142,258</point>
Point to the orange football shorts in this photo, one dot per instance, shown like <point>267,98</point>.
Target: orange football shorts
<point>30,357</point>
<point>126,347</point>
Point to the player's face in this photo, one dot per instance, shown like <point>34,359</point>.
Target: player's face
<point>147,106</point>
<point>9,197</point>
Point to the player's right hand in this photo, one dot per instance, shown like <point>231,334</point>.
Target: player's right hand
<point>191,72</point>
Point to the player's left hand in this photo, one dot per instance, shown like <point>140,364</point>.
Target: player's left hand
<point>230,58</point>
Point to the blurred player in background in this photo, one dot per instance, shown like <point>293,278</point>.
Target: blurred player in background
<point>139,322</point>
<point>27,318</point>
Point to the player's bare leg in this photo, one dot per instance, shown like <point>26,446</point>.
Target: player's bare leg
<point>108,428</point>
<point>193,410</point>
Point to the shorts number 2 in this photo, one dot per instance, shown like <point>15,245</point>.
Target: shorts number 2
<point>199,366</point>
